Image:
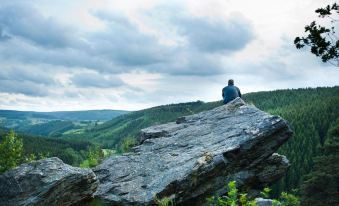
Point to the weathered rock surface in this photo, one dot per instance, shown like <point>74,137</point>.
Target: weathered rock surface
<point>195,156</point>
<point>46,182</point>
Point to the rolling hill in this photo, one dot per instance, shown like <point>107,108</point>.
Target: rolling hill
<point>88,115</point>
<point>53,124</point>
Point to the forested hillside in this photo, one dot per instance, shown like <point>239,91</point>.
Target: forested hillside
<point>322,182</point>
<point>310,112</point>
<point>71,152</point>
<point>51,129</point>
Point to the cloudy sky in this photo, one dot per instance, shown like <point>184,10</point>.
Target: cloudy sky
<point>134,54</point>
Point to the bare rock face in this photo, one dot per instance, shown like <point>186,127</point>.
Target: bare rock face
<point>196,156</point>
<point>46,182</point>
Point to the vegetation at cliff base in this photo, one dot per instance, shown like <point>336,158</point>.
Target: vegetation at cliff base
<point>234,198</point>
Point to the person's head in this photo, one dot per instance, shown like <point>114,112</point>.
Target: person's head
<point>231,82</point>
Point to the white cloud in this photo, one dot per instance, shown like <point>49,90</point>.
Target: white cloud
<point>64,55</point>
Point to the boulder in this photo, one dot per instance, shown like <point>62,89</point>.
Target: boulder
<point>263,202</point>
<point>194,157</point>
<point>46,182</point>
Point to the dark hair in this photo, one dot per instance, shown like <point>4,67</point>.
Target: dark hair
<point>231,82</point>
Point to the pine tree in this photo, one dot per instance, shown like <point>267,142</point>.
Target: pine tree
<point>321,186</point>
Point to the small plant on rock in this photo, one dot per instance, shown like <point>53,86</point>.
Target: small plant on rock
<point>165,201</point>
<point>234,199</point>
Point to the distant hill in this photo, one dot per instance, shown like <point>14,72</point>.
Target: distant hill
<point>89,115</point>
<point>53,124</point>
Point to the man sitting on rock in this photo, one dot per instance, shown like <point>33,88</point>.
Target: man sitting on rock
<point>230,92</point>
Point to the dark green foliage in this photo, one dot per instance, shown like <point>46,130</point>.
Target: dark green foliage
<point>96,202</point>
<point>322,40</point>
<point>70,152</point>
<point>286,199</point>
<point>50,129</point>
<point>321,186</point>
<point>310,112</point>
<point>126,144</point>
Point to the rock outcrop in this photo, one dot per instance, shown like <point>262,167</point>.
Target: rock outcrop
<point>46,182</point>
<point>195,156</point>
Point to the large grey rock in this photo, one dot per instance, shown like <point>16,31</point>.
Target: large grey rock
<point>195,156</point>
<point>46,182</point>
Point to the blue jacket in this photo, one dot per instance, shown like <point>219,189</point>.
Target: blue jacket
<point>230,92</point>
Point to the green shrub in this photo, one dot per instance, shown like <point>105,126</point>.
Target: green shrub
<point>127,144</point>
<point>165,201</point>
<point>95,155</point>
<point>289,200</point>
<point>11,152</point>
<point>266,192</point>
<point>233,198</point>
